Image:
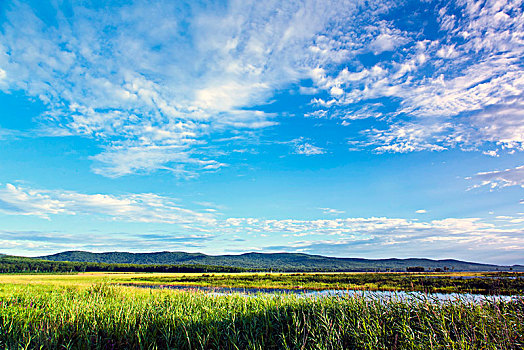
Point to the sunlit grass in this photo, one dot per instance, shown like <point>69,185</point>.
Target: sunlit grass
<point>106,316</point>
<point>426,282</point>
<point>501,284</point>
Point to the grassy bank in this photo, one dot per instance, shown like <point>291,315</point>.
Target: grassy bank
<point>481,283</point>
<point>461,282</point>
<point>110,317</point>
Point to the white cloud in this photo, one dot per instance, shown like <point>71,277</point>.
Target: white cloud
<point>143,207</point>
<point>15,200</point>
<point>491,153</point>
<point>174,77</point>
<point>320,113</point>
<point>359,226</point>
<point>500,238</point>
<point>119,160</point>
<point>332,211</point>
<point>386,42</point>
<point>35,243</point>
<point>501,125</point>
<point>421,211</point>
<point>376,237</point>
<point>498,127</point>
<point>501,178</point>
<point>447,51</point>
<point>308,149</point>
<point>458,90</point>
<point>408,137</point>
<point>158,85</point>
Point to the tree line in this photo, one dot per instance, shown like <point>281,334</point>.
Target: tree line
<point>9,264</point>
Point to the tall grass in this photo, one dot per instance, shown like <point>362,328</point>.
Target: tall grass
<point>110,317</point>
<point>498,283</point>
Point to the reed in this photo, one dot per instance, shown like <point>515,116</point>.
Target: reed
<point>480,283</point>
<point>104,316</point>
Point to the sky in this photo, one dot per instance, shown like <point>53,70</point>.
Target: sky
<point>373,129</point>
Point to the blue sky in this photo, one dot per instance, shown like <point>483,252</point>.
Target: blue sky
<point>344,128</point>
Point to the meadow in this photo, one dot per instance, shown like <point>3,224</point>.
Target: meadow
<point>90,311</point>
<point>488,283</point>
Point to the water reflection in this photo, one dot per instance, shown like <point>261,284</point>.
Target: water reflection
<point>397,295</point>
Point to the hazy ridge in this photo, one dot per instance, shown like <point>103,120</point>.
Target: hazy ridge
<point>274,261</point>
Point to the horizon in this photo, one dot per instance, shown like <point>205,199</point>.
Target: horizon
<point>370,130</point>
<point>267,253</point>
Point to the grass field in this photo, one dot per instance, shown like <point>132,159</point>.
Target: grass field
<point>484,283</point>
<point>462,282</point>
<point>87,311</point>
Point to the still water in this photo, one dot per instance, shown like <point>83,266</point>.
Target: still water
<point>333,292</point>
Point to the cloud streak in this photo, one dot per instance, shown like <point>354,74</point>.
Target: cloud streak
<point>384,237</point>
<point>41,242</point>
<point>156,93</point>
<point>460,87</point>
<point>307,149</point>
<point>500,178</point>
<point>143,207</point>
<point>499,238</point>
<point>173,76</point>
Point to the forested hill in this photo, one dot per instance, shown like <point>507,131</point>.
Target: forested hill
<point>17,264</point>
<point>275,261</point>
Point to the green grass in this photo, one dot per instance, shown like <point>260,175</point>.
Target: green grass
<point>367,281</point>
<point>104,316</point>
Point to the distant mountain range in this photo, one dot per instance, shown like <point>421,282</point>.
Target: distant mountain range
<point>275,261</point>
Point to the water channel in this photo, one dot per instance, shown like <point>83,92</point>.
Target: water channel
<point>397,295</point>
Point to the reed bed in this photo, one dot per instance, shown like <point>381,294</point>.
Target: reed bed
<point>490,283</point>
<point>112,317</point>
